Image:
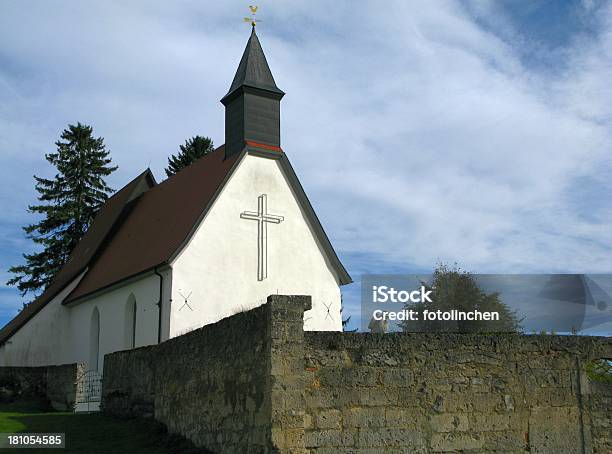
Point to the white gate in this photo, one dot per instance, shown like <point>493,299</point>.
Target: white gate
<point>89,391</point>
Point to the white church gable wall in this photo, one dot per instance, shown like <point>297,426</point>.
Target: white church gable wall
<point>218,272</point>
<point>42,340</point>
<point>115,310</point>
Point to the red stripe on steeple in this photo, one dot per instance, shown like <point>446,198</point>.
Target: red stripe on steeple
<point>263,145</point>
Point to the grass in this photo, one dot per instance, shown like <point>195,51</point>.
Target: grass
<point>91,433</point>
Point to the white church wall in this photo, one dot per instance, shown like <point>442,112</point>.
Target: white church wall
<point>42,340</point>
<point>218,270</point>
<point>111,305</point>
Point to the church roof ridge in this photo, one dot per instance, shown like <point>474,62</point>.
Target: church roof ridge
<point>157,224</point>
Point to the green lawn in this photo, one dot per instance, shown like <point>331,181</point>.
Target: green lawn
<point>90,433</point>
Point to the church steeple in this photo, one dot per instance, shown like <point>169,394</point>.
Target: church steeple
<point>252,104</point>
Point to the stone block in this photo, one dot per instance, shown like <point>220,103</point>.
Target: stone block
<point>410,398</point>
<point>485,403</point>
<point>388,438</point>
<point>553,397</point>
<point>308,421</point>
<point>400,417</point>
<point>505,441</point>
<point>364,417</point>
<point>277,437</point>
<point>329,438</point>
<point>294,438</point>
<point>360,376</point>
<point>332,398</point>
<point>329,419</point>
<point>552,378</point>
<point>449,422</point>
<point>331,376</point>
<point>398,377</point>
<point>555,429</point>
<point>290,419</point>
<point>456,441</point>
<point>487,422</point>
<point>375,397</point>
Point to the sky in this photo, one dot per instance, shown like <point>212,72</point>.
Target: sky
<point>468,132</point>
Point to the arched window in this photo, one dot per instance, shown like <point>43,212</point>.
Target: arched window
<point>130,322</point>
<point>94,340</point>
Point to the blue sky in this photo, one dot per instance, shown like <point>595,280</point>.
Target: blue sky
<point>475,132</point>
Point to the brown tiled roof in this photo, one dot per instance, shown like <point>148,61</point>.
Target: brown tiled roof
<point>84,251</point>
<point>158,223</point>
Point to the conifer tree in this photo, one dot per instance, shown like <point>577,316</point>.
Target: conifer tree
<point>194,148</point>
<point>455,289</point>
<point>68,203</point>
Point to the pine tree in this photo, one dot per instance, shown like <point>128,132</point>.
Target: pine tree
<point>194,148</point>
<point>69,202</point>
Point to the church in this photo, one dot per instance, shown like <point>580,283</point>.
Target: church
<point>163,259</point>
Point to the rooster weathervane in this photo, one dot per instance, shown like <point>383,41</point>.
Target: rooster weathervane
<point>252,19</point>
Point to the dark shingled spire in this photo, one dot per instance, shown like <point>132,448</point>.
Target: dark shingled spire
<point>253,70</point>
<point>252,104</point>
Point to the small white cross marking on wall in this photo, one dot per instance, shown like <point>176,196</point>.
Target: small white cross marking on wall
<point>263,218</point>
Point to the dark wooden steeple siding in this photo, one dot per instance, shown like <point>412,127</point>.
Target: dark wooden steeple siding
<point>252,104</point>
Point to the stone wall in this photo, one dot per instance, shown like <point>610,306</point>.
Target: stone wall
<point>599,405</point>
<point>56,384</point>
<point>448,393</point>
<point>128,386</point>
<point>229,387</point>
<point>255,382</point>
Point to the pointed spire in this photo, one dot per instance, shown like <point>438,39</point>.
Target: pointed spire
<point>253,71</point>
<point>252,104</point>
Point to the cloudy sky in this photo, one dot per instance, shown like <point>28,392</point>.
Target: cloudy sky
<point>476,132</point>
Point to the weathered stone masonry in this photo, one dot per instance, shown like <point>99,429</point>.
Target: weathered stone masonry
<point>56,384</point>
<point>234,386</point>
<point>449,393</point>
<point>255,382</point>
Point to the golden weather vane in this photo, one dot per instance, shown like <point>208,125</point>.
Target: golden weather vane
<point>252,19</point>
